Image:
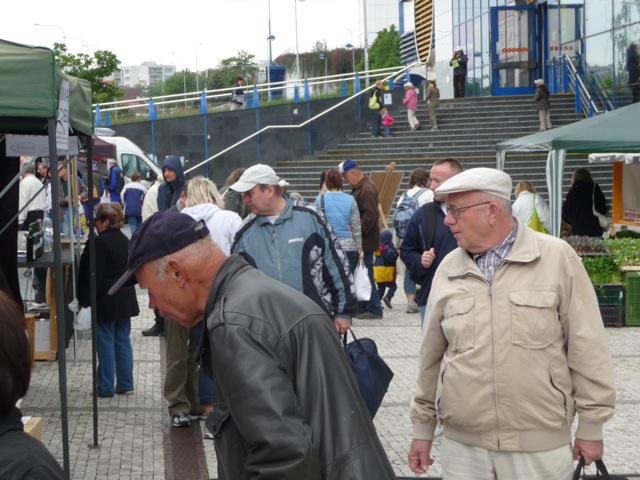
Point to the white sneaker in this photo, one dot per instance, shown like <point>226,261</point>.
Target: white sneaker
<point>207,434</point>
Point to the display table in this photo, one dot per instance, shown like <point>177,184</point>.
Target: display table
<point>46,331</point>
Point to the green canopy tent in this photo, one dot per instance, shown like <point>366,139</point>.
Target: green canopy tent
<point>30,84</point>
<point>614,131</point>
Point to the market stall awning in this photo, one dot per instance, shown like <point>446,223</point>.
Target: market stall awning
<point>29,90</point>
<point>609,132</point>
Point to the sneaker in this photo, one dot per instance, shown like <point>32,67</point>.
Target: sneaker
<point>207,434</point>
<point>197,416</point>
<point>435,128</point>
<point>154,331</point>
<point>180,420</point>
<point>387,302</point>
<point>413,308</point>
<point>369,316</point>
<point>126,392</point>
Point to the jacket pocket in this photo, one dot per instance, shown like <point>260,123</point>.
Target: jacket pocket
<point>458,324</point>
<point>534,318</point>
<point>231,449</point>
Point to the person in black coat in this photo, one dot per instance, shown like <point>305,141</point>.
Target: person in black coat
<point>459,64</point>
<point>115,354</point>
<point>577,209</point>
<point>22,457</point>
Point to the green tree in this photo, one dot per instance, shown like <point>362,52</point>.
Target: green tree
<point>93,69</point>
<point>385,50</point>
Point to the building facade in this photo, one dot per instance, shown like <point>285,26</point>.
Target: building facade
<point>149,72</point>
<point>511,43</point>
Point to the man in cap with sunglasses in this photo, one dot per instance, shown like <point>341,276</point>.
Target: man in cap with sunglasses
<point>514,346</point>
<point>287,405</point>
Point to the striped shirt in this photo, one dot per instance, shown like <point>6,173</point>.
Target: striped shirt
<point>489,261</point>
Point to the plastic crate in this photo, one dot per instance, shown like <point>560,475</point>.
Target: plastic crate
<point>612,316</point>
<point>633,299</point>
<point>610,294</point>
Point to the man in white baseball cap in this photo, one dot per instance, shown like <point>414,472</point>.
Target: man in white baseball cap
<point>509,300</point>
<point>289,240</point>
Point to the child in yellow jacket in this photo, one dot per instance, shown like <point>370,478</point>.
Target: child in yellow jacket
<point>384,267</point>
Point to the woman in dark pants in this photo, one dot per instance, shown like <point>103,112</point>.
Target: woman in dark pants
<point>375,113</point>
<point>115,354</point>
<point>577,209</point>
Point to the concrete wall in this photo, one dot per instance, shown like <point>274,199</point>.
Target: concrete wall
<point>185,136</point>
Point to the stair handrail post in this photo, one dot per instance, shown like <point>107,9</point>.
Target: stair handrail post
<point>565,72</point>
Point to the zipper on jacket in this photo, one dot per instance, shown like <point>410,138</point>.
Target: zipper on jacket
<point>559,390</point>
<point>275,246</point>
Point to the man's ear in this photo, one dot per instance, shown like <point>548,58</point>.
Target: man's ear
<point>176,272</point>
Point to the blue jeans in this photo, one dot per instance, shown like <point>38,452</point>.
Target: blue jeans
<point>423,312</point>
<point>353,260</point>
<point>373,305</point>
<point>375,123</point>
<point>66,221</point>
<point>387,131</point>
<point>409,286</point>
<point>115,357</point>
<point>134,222</point>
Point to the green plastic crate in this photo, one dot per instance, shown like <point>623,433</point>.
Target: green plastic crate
<point>633,299</point>
<point>610,294</point>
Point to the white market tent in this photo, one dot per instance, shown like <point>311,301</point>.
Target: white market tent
<point>614,131</point>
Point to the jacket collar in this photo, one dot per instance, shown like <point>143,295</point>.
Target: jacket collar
<point>525,249</point>
<point>286,213</point>
<point>228,270</point>
<point>11,421</point>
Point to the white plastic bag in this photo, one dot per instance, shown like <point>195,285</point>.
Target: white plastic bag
<point>82,321</point>
<point>361,281</point>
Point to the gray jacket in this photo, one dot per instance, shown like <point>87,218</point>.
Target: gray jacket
<point>301,250</point>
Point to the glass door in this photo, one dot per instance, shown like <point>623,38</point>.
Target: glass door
<point>513,50</point>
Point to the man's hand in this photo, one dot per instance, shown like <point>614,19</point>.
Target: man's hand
<point>419,456</point>
<point>428,256</point>
<point>590,450</point>
<point>342,324</point>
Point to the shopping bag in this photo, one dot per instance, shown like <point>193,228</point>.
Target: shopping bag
<point>362,282</point>
<point>601,472</point>
<point>82,322</point>
<point>604,222</point>
<point>372,373</point>
<point>535,222</point>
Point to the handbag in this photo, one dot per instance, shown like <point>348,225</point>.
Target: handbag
<point>361,282</point>
<point>373,103</point>
<point>602,219</point>
<point>372,374</point>
<point>601,472</point>
<point>535,222</point>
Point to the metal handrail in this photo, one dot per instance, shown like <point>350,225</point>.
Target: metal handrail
<point>395,73</point>
<point>584,101</point>
<point>178,99</point>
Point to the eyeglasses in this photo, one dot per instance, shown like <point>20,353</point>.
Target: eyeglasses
<point>455,211</point>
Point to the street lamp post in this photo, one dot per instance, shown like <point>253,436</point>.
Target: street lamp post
<point>64,36</point>
<point>350,47</point>
<point>295,4</point>
<point>270,39</point>
<point>325,58</point>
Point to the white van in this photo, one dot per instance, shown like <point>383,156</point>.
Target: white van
<point>132,159</point>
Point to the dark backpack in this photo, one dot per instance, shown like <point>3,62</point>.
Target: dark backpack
<point>119,182</point>
<point>404,212</point>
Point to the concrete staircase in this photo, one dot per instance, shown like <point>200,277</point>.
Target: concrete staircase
<point>470,128</point>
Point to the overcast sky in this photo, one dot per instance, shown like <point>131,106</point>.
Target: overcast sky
<point>181,32</point>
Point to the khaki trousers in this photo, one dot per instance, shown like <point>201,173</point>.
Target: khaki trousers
<point>464,462</point>
<point>181,379</point>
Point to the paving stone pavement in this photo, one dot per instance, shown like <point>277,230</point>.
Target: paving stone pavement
<point>130,428</point>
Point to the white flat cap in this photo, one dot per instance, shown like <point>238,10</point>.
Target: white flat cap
<point>487,180</point>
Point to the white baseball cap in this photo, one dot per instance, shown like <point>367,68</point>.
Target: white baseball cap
<point>259,174</point>
<point>488,180</point>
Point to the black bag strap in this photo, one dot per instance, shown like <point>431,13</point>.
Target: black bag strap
<point>430,219</point>
<point>322,204</point>
<point>600,468</point>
